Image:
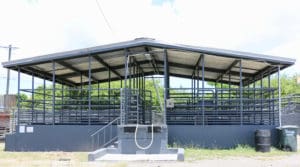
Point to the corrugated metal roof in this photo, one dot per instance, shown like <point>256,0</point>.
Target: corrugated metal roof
<point>182,62</point>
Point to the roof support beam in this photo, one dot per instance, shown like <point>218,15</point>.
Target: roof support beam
<point>207,69</point>
<point>197,64</point>
<point>171,64</point>
<point>160,73</point>
<point>29,70</point>
<point>137,64</point>
<point>234,63</point>
<point>262,73</point>
<point>152,61</point>
<point>67,65</point>
<point>101,61</point>
<point>117,78</point>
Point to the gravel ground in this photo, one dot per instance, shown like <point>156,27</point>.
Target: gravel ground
<point>277,161</point>
<point>292,160</point>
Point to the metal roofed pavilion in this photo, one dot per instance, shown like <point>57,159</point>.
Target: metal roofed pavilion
<point>183,60</point>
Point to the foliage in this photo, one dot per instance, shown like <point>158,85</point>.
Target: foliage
<point>74,94</point>
<point>288,84</point>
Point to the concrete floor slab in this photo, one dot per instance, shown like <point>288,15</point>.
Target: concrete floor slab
<point>138,157</point>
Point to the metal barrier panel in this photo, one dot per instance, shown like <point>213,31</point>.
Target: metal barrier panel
<point>210,106</point>
<point>72,106</point>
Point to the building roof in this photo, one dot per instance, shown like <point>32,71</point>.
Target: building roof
<point>182,60</point>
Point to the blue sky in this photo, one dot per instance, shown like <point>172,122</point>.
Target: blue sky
<point>42,26</point>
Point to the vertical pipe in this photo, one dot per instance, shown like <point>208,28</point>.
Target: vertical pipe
<point>124,105</point>
<point>273,107</point>
<point>90,88</point>
<point>261,99</point>
<point>53,92</point>
<point>62,103</point>
<point>130,72</point>
<point>109,80</point>
<point>254,96</point>
<point>44,100</point>
<point>126,69</point>
<point>241,93</point>
<point>18,111</point>
<point>203,80</point>
<point>222,89</point>
<point>198,82</point>
<point>32,97</point>
<point>192,87</point>
<point>229,84</point>
<point>81,98</point>
<point>166,83</point>
<point>221,101</point>
<point>216,99</point>
<point>133,74</point>
<point>279,95</point>
<point>98,97</point>
<point>269,97</point>
<point>248,97</point>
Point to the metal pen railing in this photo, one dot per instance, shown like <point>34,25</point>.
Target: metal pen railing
<point>105,135</point>
<point>210,106</point>
<point>7,121</point>
<point>290,103</point>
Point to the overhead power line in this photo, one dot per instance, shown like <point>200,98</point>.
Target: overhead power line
<point>103,15</point>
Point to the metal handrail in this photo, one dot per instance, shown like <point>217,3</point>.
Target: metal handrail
<point>104,127</point>
<point>105,140</point>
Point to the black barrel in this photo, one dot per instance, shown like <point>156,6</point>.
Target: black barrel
<point>263,140</point>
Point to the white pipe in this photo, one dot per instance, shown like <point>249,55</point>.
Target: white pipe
<point>279,95</point>
<point>135,138</point>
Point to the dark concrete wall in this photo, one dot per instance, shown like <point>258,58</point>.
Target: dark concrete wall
<point>52,138</point>
<point>77,137</point>
<point>215,136</point>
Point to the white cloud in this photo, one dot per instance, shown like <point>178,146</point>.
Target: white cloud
<point>289,49</point>
<point>40,27</point>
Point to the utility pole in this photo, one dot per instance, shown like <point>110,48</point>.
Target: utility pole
<point>8,70</point>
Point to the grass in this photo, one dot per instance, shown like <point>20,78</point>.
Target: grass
<point>11,159</point>
<point>39,158</point>
<point>193,153</point>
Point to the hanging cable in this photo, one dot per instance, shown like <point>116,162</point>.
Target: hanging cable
<point>103,15</point>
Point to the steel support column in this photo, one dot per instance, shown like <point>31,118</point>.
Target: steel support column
<point>241,93</point>
<point>53,92</point>
<point>269,97</point>
<point>229,86</point>
<point>90,89</point>
<point>44,100</point>
<point>18,111</point>
<point>203,81</point>
<point>254,97</point>
<point>109,86</point>
<point>166,83</point>
<point>32,97</point>
<point>81,97</point>
<point>261,99</point>
<point>62,103</point>
<point>279,95</point>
